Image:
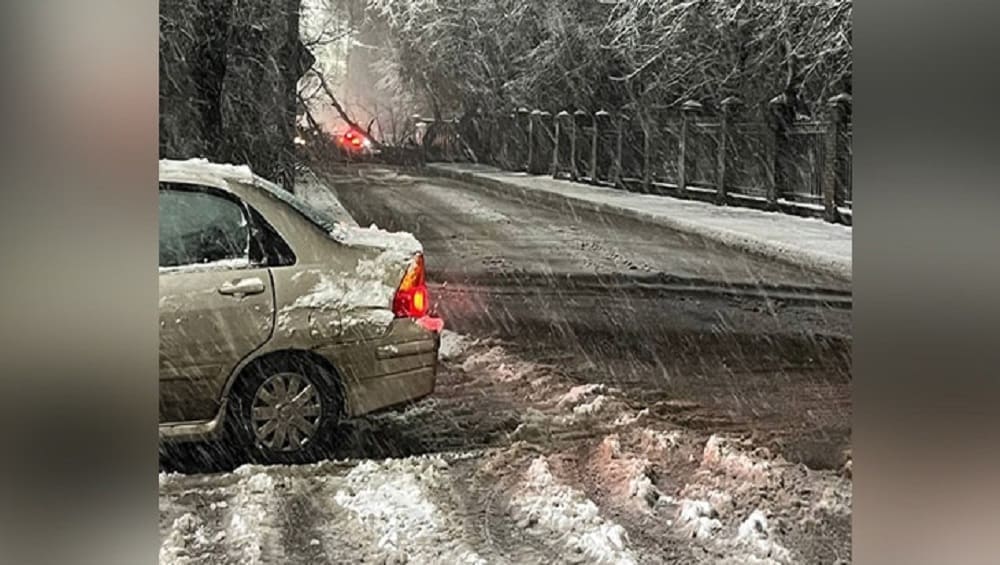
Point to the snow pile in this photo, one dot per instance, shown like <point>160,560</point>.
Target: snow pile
<point>660,440</point>
<point>166,479</point>
<point>591,408</point>
<point>360,297</point>
<point>724,454</point>
<point>642,489</point>
<point>250,528</point>
<point>756,535</point>
<point>185,542</point>
<point>833,501</point>
<point>398,243</point>
<point>452,345</point>
<point>200,167</point>
<point>629,419</point>
<point>698,518</point>
<point>495,365</point>
<point>547,508</point>
<point>577,394</point>
<point>392,500</point>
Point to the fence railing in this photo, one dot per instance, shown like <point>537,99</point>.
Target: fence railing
<point>800,166</point>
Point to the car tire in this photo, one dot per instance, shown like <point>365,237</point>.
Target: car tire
<point>284,409</point>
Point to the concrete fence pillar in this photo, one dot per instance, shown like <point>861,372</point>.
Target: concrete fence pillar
<point>689,111</point>
<point>574,144</point>
<point>838,108</point>
<point>525,154</point>
<point>563,123</point>
<point>593,144</point>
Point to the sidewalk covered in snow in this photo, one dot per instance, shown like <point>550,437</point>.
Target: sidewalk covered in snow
<point>808,242</point>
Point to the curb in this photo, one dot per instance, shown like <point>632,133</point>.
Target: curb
<point>826,264</point>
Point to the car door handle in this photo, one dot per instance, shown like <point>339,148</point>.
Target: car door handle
<point>242,286</point>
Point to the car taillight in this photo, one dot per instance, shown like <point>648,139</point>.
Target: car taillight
<point>411,300</point>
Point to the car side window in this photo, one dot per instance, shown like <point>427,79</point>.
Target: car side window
<point>198,227</point>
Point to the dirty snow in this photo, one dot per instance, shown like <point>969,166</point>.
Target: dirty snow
<point>724,454</point>
<point>755,533</point>
<point>578,393</point>
<point>698,518</point>
<point>453,345</point>
<point>593,407</point>
<point>250,528</point>
<point>392,499</point>
<point>546,507</point>
<point>185,541</point>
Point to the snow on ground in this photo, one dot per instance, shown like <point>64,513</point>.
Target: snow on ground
<point>453,345</point>
<point>495,365</point>
<point>725,454</point>
<point>185,541</point>
<point>698,518</point>
<point>577,394</point>
<point>547,508</point>
<point>251,528</point>
<point>392,499</point>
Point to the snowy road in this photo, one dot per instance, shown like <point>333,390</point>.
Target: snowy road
<point>662,315</point>
<point>609,393</point>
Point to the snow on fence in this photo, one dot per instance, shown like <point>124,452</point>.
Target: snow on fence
<point>785,163</point>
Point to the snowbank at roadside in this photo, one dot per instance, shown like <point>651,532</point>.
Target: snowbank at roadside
<point>393,499</point>
<point>548,508</point>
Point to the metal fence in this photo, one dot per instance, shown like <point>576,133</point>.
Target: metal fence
<point>794,166</point>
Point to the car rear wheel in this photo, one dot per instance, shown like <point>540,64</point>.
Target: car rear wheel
<point>284,411</point>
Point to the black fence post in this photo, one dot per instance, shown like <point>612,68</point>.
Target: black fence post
<point>688,111</point>
<point>524,118</point>
<point>593,147</point>
<point>838,107</point>
<point>532,152</point>
<point>616,172</point>
<point>560,118</point>
<point>729,105</point>
<point>647,150</point>
<point>778,120</point>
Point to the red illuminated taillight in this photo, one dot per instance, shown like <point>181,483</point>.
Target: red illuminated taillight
<point>412,300</point>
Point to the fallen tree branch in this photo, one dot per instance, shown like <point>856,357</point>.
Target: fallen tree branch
<point>340,109</point>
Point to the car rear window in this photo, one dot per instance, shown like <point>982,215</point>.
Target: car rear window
<point>320,219</point>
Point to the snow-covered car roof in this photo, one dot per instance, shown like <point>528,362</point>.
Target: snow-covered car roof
<point>207,171</point>
<point>203,170</point>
